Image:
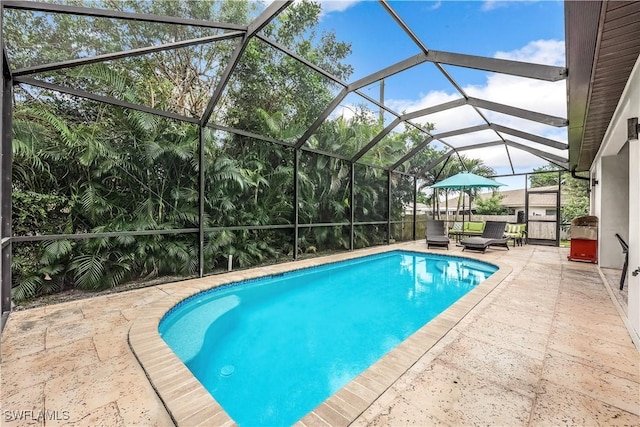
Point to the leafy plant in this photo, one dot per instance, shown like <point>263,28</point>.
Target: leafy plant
<point>491,205</point>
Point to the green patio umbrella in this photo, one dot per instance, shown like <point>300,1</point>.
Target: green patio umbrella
<point>466,180</point>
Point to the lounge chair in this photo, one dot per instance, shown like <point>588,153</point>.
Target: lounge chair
<point>435,234</point>
<point>493,235</point>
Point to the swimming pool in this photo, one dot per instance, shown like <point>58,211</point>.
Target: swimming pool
<point>272,349</point>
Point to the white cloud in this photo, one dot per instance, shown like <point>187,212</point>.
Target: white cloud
<point>329,6</point>
<point>488,5</point>
<point>548,52</point>
<point>530,94</point>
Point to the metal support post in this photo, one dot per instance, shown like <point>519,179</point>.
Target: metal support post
<point>296,213</point>
<point>352,205</point>
<point>415,202</point>
<point>201,224</point>
<point>388,207</point>
<point>5,187</point>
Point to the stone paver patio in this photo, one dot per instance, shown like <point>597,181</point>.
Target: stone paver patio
<point>545,347</point>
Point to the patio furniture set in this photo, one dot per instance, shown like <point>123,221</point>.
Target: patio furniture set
<point>475,235</point>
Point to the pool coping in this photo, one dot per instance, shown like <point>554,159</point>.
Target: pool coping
<point>189,403</point>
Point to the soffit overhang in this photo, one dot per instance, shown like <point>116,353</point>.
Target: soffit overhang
<point>603,44</point>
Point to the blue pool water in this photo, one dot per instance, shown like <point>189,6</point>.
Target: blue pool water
<point>271,349</point>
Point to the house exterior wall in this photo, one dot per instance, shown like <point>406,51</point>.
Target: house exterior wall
<point>607,207</point>
<point>614,211</point>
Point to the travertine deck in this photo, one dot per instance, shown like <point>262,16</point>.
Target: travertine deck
<point>546,346</point>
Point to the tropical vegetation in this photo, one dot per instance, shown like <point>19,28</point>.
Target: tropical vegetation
<point>85,167</point>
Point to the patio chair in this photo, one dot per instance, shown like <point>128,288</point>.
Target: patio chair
<point>435,234</point>
<point>625,251</point>
<point>456,230</point>
<point>493,235</point>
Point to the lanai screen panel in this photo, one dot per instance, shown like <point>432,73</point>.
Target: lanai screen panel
<point>493,157</point>
<point>371,196</point>
<point>524,162</point>
<point>472,138</point>
<point>101,263</point>
<point>230,12</point>
<point>179,81</point>
<point>37,38</point>
<point>373,28</point>
<point>106,168</point>
<point>246,248</point>
<point>247,181</point>
<point>452,119</point>
<point>559,156</point>
<point>272,94</point>
<point>323,189</point>
<point>531,126</point>
<point>418,164</point>
<point>446,19</point>
<point>401,207</point>
<point>522,92</point>
<point>413,89</point>
<point>349,127</point>
<point>397,143</point>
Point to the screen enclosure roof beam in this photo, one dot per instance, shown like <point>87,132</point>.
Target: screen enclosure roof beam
<point>117,14</point>
<point>124,54</point>
<point>531,137</point>
<point>105,99</point>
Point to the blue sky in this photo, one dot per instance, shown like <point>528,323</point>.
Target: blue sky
<point>529,31</point>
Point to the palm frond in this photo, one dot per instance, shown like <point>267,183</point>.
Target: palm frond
<point>88,271</point>
<point>53,250</point>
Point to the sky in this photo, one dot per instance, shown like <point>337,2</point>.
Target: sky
<point>528,31</point>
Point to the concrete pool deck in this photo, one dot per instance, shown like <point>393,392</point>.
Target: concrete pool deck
<point>545,347</point>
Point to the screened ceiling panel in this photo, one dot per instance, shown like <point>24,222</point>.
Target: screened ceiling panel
<point>432,151</point>
<point>349,121</point>
<point>373,38</point>
<point>414,89</point>
<point>472,138</point>
<point>445,18</point>
<point>542,96</point>
<point>50,37</point>
<point>221,11</point>
<point>522,124</point>
<point>439,146</point>
<point>397,143</point>
<point>283,112</point>
<point>524,162</point>
<point>453,118</point>
<point>494,157</point>
<point>384,46</point>
<point>536,146</point>
<point>193,73</point>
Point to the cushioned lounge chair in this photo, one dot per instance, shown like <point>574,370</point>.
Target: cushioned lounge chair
<point>435,234</point>
<point>493,235</point>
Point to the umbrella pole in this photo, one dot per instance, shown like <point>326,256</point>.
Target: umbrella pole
<point>462,233</point>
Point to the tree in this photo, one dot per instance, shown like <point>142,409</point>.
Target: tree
<point>491,205</point>
<point>575,196</point>
<point>544,179</point>
<point>98,168</point>
<point>86,167</point>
